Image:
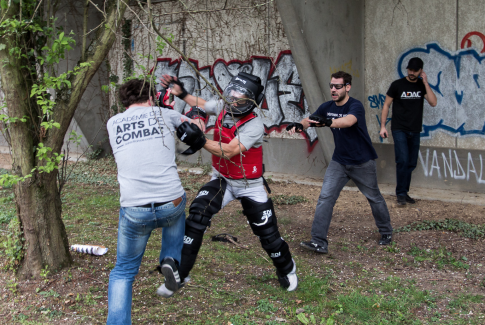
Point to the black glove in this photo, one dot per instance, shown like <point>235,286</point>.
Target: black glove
<point>320,120</point>
<point>191,135</point>
<point>298,127</point>
<point>181,85</point>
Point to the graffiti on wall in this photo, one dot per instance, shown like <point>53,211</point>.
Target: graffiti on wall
<point>284,100</point>
<point>467,40</point>
<point>347,67</point>
<point>448,166</point>
<point>457,79</point>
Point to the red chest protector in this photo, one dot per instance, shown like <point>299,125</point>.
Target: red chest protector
<point>252,159</point>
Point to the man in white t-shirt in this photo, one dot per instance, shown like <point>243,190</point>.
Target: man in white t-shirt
<point>151,194</point>
<point>235,175</point>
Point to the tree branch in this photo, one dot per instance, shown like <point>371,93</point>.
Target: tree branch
<point>85,28</point>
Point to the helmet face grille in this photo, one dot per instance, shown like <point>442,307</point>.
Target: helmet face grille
<point>239,101</point>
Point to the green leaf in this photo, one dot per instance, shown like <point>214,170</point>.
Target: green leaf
<point>2,46</point>
<point>302,318</point>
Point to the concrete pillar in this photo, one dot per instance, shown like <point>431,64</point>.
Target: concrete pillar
<point>325,36</point>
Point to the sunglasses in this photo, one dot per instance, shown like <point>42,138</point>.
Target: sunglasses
<point>338,86</point>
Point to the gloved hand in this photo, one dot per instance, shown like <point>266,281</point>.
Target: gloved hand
<point>191,135</point>
<point>167,80</point>
<point>298,127</point>
<point>181,85</point>
<point>321,121</point>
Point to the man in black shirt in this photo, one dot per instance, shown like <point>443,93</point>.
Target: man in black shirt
<point>353,159</point>
<point>407,95</point>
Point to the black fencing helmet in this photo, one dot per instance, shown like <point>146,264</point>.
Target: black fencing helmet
<point>242,94</point>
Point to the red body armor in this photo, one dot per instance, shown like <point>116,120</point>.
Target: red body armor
<point>252,159</point>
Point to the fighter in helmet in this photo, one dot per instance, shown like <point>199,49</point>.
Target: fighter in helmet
<point>235,175</point>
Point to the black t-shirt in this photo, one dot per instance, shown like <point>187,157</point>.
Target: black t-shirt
<point>407,104</point>
<point>352,145</point>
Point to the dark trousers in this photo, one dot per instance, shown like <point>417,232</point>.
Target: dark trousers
<point>406,149</point>
<point>336,176</point>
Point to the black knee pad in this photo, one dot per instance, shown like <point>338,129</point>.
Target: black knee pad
<point>262,219</point>
<point>207,203</point>
<point>261,216</point>
<point>209,199</point>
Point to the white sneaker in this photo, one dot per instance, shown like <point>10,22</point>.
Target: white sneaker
<point>289,281</point>
<point>292,278</point>
<point>167,293</point>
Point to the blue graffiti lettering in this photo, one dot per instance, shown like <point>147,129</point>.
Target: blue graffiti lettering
<point>428,129</point>
<point>436,87</point>
<point>454,75</point>
<point>377,101</point>
<point>475,77</point>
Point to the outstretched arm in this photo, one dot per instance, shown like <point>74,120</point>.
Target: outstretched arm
<point>177,90</point>
<point>318,121</point>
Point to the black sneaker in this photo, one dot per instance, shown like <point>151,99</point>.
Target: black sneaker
<point>410,199</point>
<point>401,199</point>
<point>171,274</point>
<point>385,239</point>
<point>314,247</point>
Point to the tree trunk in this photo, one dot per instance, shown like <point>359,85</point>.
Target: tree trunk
<point>39,209</point>
<point>38,198</point>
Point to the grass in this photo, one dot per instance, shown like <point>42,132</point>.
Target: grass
<point>463,228</point>
<point>7,209</point>
<point>231,285</point>
<point>441,257</point>
<point>283,199</point>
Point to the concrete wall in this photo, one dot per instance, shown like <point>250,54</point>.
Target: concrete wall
<point>92,113</point>
<point>449,37</point>
<point>372,40</point>
<point>222,43</point>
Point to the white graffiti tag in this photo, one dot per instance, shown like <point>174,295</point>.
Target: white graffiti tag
<point>284,100</point>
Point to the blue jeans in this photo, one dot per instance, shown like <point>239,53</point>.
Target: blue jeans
<point>406,149</point>
<point>134,228</point>
<point>336,176</point>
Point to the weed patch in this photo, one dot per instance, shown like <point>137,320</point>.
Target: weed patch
<point>95,172</point>
<point>441,257</point>
<point>283,199</point>
<point>463,228</point>
<point>12,245</point>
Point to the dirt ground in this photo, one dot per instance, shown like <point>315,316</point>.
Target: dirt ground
<point>352,241</point>
<point>353,226</point>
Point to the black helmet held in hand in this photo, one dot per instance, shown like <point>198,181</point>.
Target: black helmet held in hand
<point>243,94</point>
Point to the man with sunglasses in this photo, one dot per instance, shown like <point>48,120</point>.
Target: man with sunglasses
<point>407,97</point>
<point>353,159</point>
<point>236,176</point>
